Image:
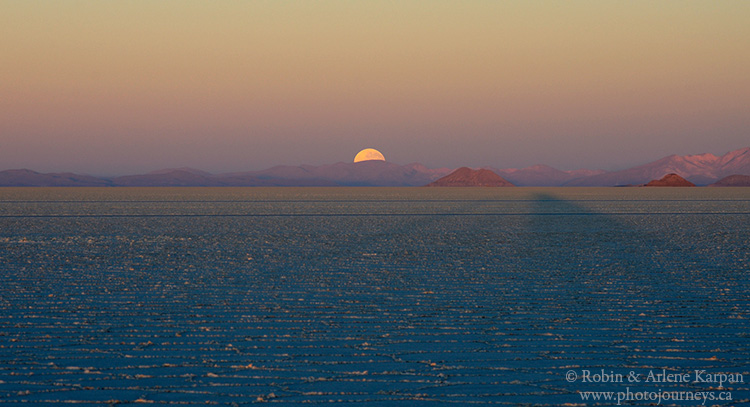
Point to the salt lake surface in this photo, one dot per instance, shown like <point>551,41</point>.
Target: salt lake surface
<point>371,296</point>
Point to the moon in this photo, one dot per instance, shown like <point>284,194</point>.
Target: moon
<point>369,154</point>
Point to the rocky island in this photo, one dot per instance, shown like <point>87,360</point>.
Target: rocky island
<point>466,177</point>
<point>670,180</point>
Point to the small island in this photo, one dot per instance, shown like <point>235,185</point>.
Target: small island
<point>466,177</point>
<point>736,180</point>
<point>670,180</point>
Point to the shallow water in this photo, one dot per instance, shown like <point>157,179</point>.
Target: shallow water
<point>369,296</point>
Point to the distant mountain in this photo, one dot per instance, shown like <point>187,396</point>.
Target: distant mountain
<point>543,175</point>
<point>172,178</point>
<point>364,173</point>
<point>466,177</point>
<point>701,169</point>
<point>670,180</point>
<point>184,177</point>
<point>183,170</point>
<point>23,177</point>
<point>733,181</point>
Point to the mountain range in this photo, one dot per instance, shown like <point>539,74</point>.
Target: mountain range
<point>702,169</point>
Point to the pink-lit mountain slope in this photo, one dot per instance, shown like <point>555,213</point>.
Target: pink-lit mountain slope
<point>701,169</point>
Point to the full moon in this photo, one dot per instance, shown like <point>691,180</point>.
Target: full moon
<point>369,154</point>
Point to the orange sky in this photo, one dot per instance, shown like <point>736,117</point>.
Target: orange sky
<point>124,87</point>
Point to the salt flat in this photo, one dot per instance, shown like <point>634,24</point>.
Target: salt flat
<point>368,296</point>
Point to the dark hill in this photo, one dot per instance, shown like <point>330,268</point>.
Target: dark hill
<point>733,181</point>
<point>466,177</point>
<point>670,180</point>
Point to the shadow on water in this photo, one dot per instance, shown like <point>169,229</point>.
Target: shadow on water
<point>574,246</point>
<point>645,253</point>
<point>628,291</point>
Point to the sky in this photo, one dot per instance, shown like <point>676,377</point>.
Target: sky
<point>125,87</point>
